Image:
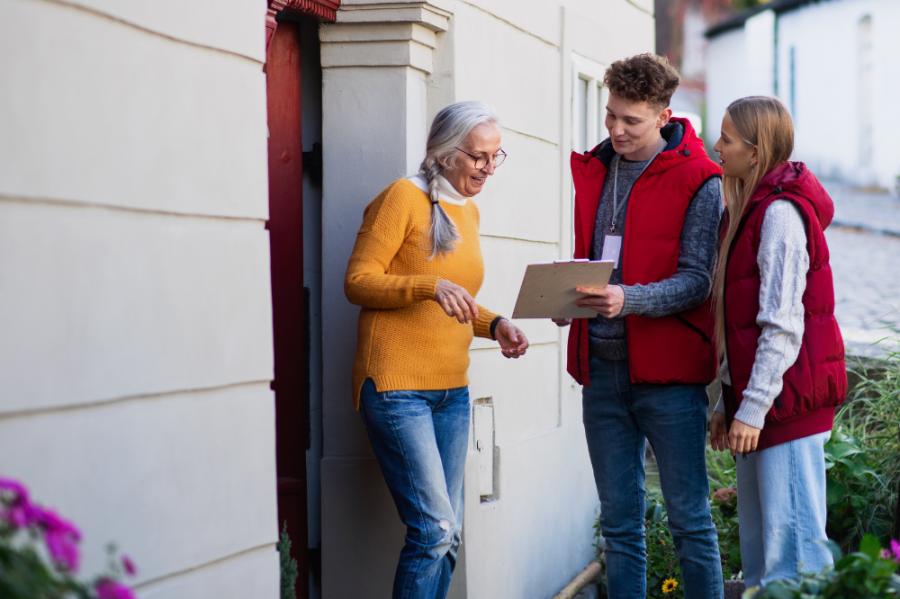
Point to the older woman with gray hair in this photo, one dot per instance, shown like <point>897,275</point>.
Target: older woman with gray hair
<point>415,270</point>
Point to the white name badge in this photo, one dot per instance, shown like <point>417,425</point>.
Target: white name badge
<point>612,247</point>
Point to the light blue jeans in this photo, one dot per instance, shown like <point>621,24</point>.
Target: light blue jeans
<point>420,439</point>
<point>781,510</point>
<point>618,420</point>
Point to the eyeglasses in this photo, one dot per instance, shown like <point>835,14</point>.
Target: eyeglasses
<point>482,160</point>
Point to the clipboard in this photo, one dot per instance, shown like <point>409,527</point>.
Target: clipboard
<point>548,289</point>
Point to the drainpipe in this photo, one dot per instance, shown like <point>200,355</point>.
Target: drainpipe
<point>590,573</point>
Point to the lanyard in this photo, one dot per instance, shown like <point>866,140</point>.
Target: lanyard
<point>616,207</point>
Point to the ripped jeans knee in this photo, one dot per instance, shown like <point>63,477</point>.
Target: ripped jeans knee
<point>441,538</point>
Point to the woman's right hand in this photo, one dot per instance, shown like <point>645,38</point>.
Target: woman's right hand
<point>718,434</point>
<point>562,322</point>
<point>456,301</point>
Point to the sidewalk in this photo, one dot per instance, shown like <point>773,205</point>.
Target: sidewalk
<point>864,241</point>
<point>872,212</point>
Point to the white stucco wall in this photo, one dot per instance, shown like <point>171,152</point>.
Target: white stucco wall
<point>831,108</point>
<point>516,56</point>
<point>725,57</point>
<point>134,285</point>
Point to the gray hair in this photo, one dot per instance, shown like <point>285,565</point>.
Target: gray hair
<point>449,129</point>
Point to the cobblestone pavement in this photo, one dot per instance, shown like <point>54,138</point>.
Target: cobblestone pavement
<point>865,256</point>
<point>876,212</point>
<point>866,270</point>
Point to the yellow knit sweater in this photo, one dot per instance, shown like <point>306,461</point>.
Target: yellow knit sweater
<point>405,340</point>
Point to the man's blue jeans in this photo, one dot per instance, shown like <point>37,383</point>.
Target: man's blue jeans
<point>419,439</point>
<point>619,418</point>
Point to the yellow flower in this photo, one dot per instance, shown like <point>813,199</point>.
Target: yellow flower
<point>669,585</point>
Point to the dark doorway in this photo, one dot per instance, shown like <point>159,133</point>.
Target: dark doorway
<point>289,304</point>
<point>294,102</point>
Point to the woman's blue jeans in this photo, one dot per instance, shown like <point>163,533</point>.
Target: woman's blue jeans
<point>619,418</point>
<point>781,510</point>
<point>420,439</point>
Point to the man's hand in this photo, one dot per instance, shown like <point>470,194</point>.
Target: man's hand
<point>718,435</point>
<point>456,301</point>
<point>562,322</point>
<point>512,340</point>
<point>742,438</point>
<point>607,301</point>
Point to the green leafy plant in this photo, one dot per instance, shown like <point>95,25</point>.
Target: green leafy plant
<point>39,554</point>
<point>863,455</point>
<point>722,474</point>
<point>870,573</point>
<point>662,559</point>
<point>852,483</point>
<point>288,565</point>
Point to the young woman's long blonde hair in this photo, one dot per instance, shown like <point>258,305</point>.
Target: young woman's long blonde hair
<point>762,122</point>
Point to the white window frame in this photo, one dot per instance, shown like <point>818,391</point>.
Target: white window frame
<point>591,71</point>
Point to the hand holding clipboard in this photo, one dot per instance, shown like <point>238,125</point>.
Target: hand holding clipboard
<point>549,290</point>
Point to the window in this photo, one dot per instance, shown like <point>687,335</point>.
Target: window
<point>588,104</point>
<point>579,113</point>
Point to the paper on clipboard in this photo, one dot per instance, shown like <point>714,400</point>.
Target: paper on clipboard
<point>548,290</point>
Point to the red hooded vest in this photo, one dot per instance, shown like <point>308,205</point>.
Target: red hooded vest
<point>672,349</point>
<point>817,381</point>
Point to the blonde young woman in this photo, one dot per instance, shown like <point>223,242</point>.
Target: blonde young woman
<point>783,370</point>
<point>415,270</point>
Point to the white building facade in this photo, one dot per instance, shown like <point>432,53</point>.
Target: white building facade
<point>834,65</point>
<point>135,278</point>
<point>136,345</point>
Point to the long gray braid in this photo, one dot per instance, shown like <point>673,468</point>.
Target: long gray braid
<point>444,234</point>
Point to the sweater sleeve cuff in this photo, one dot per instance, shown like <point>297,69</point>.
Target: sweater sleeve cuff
<point>424,287</point>
<point>635,301</point>
<point>752,412</point>
<point>482,324</point>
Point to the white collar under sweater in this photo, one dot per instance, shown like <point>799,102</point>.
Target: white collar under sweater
<point>448,193</point>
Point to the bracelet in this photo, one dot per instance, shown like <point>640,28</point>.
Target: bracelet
<point>494,324</point>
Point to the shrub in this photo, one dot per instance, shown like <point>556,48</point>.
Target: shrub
<point>288,565</point>
<point>863,456</point>
<point>869,573</point>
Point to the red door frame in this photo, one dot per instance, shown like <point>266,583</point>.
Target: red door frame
<point>285,159</point>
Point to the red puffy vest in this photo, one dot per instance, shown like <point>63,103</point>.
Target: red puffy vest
<point>672,349</point>
<point>817,381</point>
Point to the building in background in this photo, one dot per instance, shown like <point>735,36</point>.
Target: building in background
<point>680,25</point>
<point>834,65</point>
<point>180,187</point>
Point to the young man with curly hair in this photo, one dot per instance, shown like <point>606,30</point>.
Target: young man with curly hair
<point>648,198</point>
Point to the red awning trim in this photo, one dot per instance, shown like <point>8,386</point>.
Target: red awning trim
<point>325,10</point>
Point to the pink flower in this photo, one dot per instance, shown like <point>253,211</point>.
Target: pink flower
<point>61,538</point>
<point>110,589</point>
<point>895,549</point>
<point>724,495</point>
<point>130,569</point>
<point>14,488</point>
<point>15,508</point>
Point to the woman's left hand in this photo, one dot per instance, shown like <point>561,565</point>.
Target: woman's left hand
<point>512,340</point>
<point>742,438</point>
